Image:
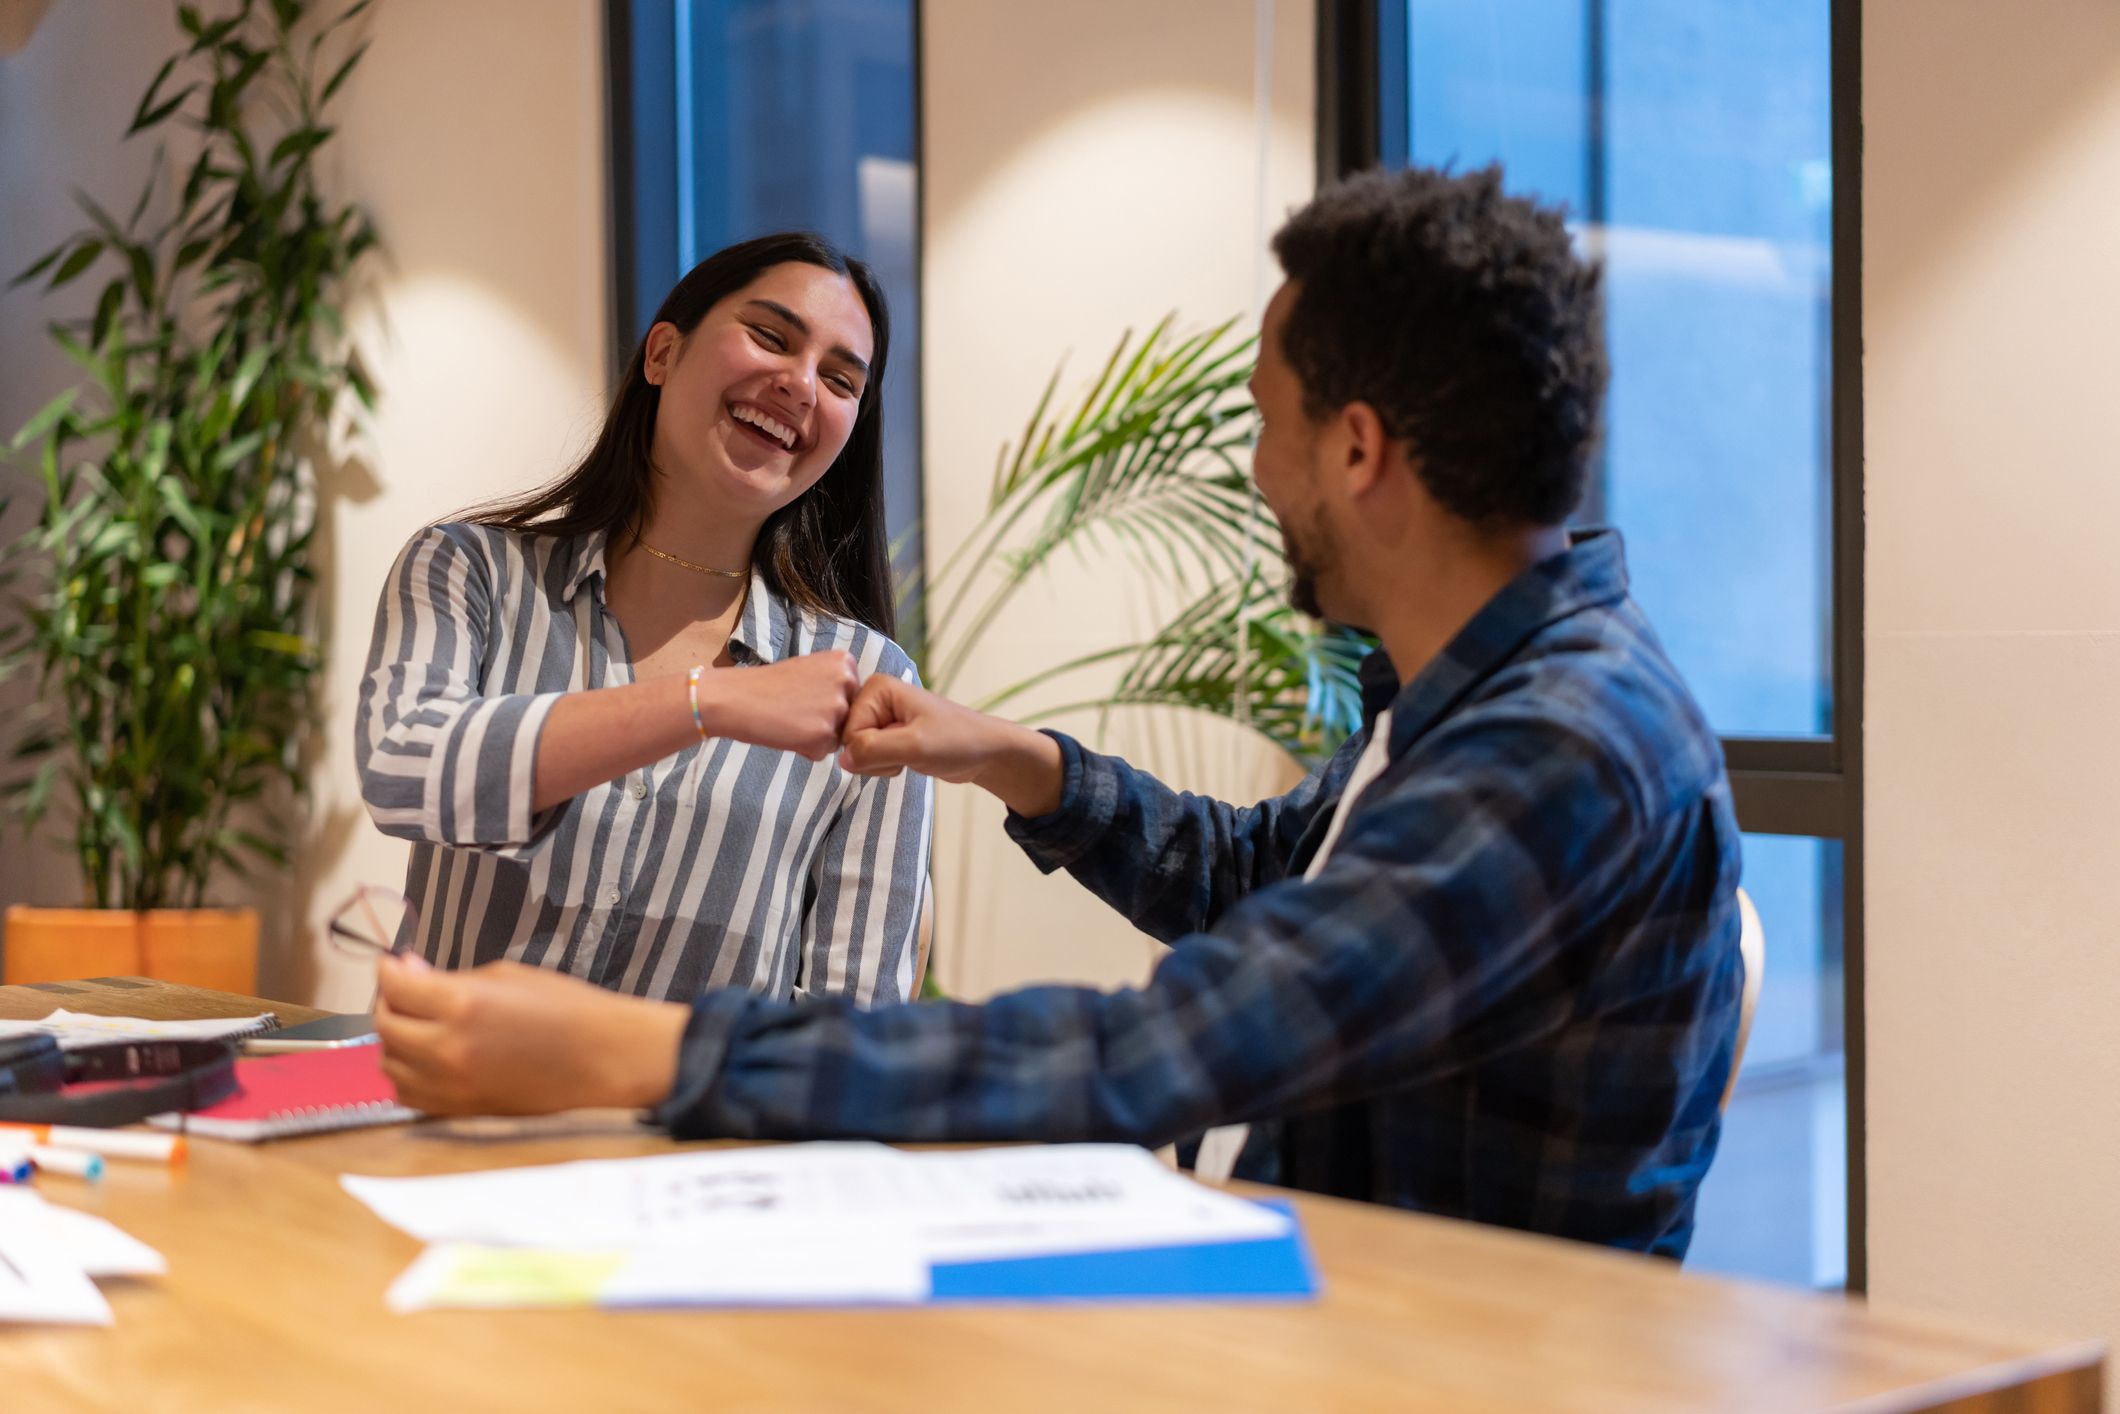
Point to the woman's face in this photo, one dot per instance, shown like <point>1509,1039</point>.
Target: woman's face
<point>760,397</point>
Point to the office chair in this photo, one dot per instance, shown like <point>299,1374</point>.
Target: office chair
<point>1752,947</point>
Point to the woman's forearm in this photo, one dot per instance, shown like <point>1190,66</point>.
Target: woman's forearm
<point>601,734</point>
<point>798,704</point>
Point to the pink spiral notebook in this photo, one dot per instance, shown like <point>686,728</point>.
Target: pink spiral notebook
<point>302,1092</point>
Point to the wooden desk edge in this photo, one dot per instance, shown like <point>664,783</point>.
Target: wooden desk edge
<point>140,996</point>
<point>2066,1380</point>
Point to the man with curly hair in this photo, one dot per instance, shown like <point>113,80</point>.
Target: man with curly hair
<point>1483,963</point>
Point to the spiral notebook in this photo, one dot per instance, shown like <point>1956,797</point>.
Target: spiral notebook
<point>304,1092</point>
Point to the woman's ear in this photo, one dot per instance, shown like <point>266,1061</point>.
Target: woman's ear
<point>660,352</point>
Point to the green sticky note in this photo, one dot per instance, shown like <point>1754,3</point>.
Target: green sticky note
<point>517,1276</point>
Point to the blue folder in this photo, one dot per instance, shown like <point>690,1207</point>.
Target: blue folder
<point>1265,1269</point>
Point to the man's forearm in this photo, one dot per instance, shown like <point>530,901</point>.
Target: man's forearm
<point>1024,769</point>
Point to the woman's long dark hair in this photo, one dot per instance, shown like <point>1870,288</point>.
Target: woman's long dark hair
<point>826,549</point>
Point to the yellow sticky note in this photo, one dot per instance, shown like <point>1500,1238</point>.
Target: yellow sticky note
<point>471,1275</point>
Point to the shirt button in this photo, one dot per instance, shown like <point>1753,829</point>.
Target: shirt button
<point>611,896</point>
<point>640,789</point>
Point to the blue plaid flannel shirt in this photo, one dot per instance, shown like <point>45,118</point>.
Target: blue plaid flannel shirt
<point>1510,994</point>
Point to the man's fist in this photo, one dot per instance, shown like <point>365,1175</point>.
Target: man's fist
<point>894,726</point>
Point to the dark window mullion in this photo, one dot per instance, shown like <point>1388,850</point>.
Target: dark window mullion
<point>1810,755</point>
<point>1810,804</point>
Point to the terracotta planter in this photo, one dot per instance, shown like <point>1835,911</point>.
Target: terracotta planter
<point>215,948</point>
<point>61,944</point>
<point>206,947</point>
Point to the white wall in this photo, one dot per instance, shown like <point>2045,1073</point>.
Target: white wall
<point>1992,284</point>
<point>484,323</point>
<point>1087,168</point>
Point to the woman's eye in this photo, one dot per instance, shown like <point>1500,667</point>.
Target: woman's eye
<point>845,385</point>
<point>769,337</point>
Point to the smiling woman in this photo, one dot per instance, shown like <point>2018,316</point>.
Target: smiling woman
<point>606,713</point>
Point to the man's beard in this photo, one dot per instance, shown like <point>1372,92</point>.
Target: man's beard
<point>1302,551</point>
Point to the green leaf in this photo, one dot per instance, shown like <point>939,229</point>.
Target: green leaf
<point>106,317</point>
<point>84,256</point>
<point>43,419</point>
<point>111,538</point>
<point>180,509</point>
<point>44,263</point>
<point>114,820</point>
<point>297,143</point>
<point>143,274</point>
<point>351,12</point>
<point>38,796</point>
<point>203,171</point>
<point>241,449</point>
<point>103,219</point>
<point>147,99</point>
<point>74,349</point>
<point>247,375</point>
<point>293,645</point>
<point>35,744</point>
<point>160,113</point>
<point>230,89</point>
<point>358,380</point>
<point>340,75</point>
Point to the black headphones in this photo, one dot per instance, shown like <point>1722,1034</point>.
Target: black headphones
<point>153,1077</point>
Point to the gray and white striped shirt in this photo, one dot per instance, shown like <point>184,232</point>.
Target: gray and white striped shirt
<point>723,865</point>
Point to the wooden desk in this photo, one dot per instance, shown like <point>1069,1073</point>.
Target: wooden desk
<point>139,996</point>
<point>277,1277</point>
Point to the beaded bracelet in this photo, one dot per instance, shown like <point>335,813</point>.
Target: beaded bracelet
<point>692,695</point>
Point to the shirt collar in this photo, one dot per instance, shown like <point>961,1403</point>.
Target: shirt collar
<point>766,624</point>
<point>1592,571</point>
<point>762,630</point>
<point>585,562</point>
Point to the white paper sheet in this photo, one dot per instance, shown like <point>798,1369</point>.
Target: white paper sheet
<point>39,1280</point>
<point>75,1029</point>
<point>952,1206</point>
<point>97,1246</point>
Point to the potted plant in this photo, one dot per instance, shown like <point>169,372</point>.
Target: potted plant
<point>1150,461</point>
<point>167,584</point>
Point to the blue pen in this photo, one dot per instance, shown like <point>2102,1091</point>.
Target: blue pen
<point>18,1172</point>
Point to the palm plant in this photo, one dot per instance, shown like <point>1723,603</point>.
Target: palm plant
<point>1151,460</point>
<point>168,622</point>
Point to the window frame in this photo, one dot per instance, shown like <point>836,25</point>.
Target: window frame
<point>1800,786</point>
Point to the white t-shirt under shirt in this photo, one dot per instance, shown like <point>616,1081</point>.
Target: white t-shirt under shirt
<point>1219,1147</point>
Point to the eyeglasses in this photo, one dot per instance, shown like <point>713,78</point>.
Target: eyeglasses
<point>373,921</point>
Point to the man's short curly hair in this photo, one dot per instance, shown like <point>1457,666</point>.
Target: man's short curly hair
<point>1466,319</point>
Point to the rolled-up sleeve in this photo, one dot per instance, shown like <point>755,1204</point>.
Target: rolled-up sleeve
<point>440,761</point>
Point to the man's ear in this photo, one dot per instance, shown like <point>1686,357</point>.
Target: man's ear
<point>1366,447</point>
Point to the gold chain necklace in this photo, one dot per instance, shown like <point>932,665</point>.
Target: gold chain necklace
<point>687,564</point>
